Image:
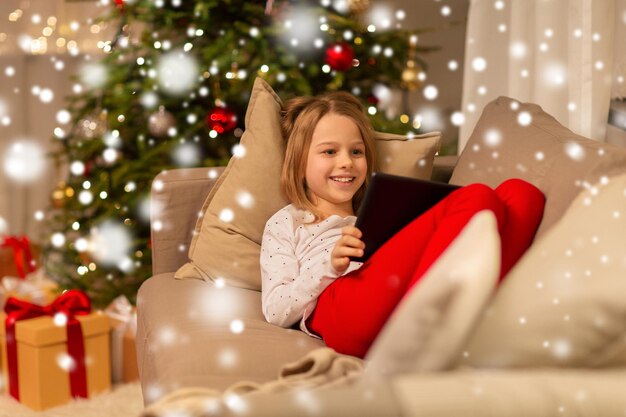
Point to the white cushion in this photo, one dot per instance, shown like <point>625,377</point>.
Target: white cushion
<point>564,303</point>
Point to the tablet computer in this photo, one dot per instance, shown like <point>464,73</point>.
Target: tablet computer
<point>390,203</point>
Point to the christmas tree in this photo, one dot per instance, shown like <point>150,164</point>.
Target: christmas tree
<point>171,89</point>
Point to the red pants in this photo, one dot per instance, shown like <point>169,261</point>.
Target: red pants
<point>353,309</point>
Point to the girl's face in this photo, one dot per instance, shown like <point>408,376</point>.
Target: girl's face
<point>336,164</point>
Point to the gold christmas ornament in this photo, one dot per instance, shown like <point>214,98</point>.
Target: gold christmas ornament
<point>412,72</point>
<point>234,72</point>
<point>93,125</point>
<point>410,76</point>
<point>358,7</point>
<point>160,122</point>
<point>58,197</point>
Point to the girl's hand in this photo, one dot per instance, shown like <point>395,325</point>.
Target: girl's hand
<point>349,244</point>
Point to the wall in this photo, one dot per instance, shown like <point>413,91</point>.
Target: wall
<point>448,33</point>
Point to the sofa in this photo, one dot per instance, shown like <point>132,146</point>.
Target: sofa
<point>550,340</point>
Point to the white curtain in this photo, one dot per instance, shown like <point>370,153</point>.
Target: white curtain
<point>23,115</point>
<point>568,56</point>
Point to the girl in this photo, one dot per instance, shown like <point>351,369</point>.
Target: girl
<point>306,272</point>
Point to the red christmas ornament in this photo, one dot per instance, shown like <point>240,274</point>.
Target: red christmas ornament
<point>339,56</point>
<point>372,99</point>
<point>119,4</point>
<point>222,119</point>
<point>88,167</point>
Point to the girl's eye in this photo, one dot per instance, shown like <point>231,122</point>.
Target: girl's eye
<point>358,152</point>
<point>329,151</point>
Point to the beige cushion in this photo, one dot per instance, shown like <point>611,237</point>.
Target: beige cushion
<point>408,158</point>
<point>544,153</point>
<point>564,303</point>
<point>249,191</point>
<point>430,326</point>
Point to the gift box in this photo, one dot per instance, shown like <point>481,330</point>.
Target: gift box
<point>123,353</point>
<point>44,373</point>
<point>123,318</point>
<point>17,256</point>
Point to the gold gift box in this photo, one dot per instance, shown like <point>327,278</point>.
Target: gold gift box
<point>130,371</point>
<point>40,344</point>
<point>126,358</point>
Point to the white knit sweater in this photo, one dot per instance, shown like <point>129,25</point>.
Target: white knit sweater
<point>295,263</point>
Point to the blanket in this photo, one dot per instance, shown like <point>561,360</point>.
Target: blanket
<point>320,368</point>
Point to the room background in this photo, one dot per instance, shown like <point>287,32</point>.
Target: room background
<point>34,83</point>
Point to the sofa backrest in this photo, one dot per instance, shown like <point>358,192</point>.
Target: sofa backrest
<point>175,203</point>
<point>513,139</point>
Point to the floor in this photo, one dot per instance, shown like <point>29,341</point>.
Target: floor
<point>123,401</point>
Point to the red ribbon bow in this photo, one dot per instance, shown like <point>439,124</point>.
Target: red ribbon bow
<point>22,256</point>
<point>72,303</point>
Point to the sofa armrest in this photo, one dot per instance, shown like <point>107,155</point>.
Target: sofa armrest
<point>176,201</point>
<point>443,167</point>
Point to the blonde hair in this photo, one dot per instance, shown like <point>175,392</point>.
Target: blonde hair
<point>299,119</point>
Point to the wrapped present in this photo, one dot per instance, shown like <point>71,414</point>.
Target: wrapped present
<point>54,353</point>
<point>17,256</point>
<point>36,288</point>
<point>123,330</point>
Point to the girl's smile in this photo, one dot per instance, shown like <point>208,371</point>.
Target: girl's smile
<point>343,180</point>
